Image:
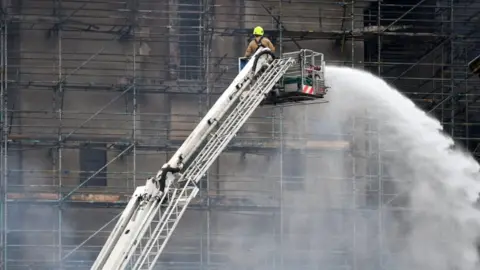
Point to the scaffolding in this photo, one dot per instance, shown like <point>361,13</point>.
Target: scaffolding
<point>96,95</point>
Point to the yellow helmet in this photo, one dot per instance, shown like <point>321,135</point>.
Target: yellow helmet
<point>258,31</point>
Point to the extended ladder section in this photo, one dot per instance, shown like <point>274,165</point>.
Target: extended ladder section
<point>181,196</point>
<point>154,220</point>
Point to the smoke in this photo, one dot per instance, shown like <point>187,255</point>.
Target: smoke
<point>438,223</point>
<point>36,230</point>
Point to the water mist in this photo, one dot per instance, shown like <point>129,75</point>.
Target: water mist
<point>439,224</point>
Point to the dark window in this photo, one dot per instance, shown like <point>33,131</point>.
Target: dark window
<point>190,45</point>
<point>93,158</point>
<point>294,170</point>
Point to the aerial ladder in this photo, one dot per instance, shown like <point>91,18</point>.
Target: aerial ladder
<point>155,209</point>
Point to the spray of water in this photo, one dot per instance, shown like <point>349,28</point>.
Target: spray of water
<point>440,183</point>
<point>327,222</point>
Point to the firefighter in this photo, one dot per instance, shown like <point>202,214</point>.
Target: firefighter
<point>258,41</point>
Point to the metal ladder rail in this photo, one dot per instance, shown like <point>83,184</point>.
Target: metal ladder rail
<point>152,207</point>
<point>228,127</point>
<point>192,195</point>
<point>177,214</point>
<point>117,231</point>
<point>144,213</point>
<point>173,195</point>
<point>263,78</point>
<point>153,211</point>
<point>234,120</point>
<point>221,138</point>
